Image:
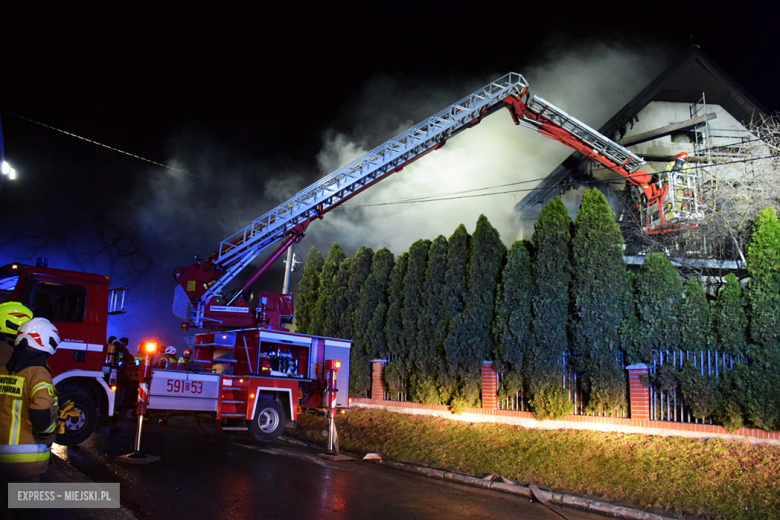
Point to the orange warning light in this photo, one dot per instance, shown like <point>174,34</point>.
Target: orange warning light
<point>150,347</point>
<point>332,364</point>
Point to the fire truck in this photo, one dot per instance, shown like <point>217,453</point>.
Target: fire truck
<point>249,372</point>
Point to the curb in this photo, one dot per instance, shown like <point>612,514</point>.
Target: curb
<point>517,489</point>
<point>514,489</point>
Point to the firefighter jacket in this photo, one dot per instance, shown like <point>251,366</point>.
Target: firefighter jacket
<point>6,347</point>
<point>28,418</point>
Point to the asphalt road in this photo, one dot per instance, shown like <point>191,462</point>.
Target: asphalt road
<point>231,477</point>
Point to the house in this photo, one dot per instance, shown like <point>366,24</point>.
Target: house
<point>692,107</point>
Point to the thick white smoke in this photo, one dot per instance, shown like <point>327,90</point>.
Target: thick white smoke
<point>589,83</point>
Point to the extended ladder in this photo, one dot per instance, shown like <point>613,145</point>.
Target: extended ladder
<point>238,250</point>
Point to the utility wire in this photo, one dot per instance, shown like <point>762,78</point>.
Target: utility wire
<point>103,145</point>
<point>467,194</point>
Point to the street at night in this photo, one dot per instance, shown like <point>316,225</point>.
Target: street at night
<point>232,477</point>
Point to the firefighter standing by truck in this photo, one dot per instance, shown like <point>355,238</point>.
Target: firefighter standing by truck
<point>28,404</point>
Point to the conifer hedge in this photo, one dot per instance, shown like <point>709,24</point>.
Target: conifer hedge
<point>445,306</point>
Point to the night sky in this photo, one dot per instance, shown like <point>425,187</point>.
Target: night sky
<point>247,101</point>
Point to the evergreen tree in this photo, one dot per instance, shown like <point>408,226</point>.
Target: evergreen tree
<point>337,303</point>
<point>327,277</point>
<point>430,358</point>
<point>413,308</point>
<point>600,290</point>
<point>358,273</point>
<point>512,335</point>
<point>413,304</point>
<point>396,370</point>
<point>630,342</point>
<point>453,301</point>
<point>308,291</point>
<point>729,321</point>
<point>550,303</point>
<point>695,319</point>
<point>484,269</point>
<point>763,296</point>
<point>368,323</point>
<point>752,392</point>
<point>659,292</point>
<point>374,303</point>
<point>395,294</point>
<point>359,364</point>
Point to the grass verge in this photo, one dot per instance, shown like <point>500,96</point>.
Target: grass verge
<point>710,478</point>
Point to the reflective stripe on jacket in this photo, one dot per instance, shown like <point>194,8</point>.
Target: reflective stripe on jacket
<point>29,389</point>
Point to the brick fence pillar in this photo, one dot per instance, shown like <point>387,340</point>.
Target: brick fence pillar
<point>489,386</point>
<point>640,396</point>
<point>377,379</point>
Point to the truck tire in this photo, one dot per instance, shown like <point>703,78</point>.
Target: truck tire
<point>78,429</point>
<point>269,421</point>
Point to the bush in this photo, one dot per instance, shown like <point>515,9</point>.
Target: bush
<point>511,384</point>
<point>752,392</point>
<point>552,402</point>
<point>665,378</point>
<point>606,401</point>
<point>424,389</point>
<point>395,376</point>
<point>467,395</point>
<point>729,415</point>
<point>699,393</point>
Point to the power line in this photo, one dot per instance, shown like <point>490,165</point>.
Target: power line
<point>467,194</point>
<point>103,145</point>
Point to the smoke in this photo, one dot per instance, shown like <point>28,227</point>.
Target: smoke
<point>183,214</point>
<point>591,83</point>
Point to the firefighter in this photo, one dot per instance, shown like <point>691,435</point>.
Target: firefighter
<point>168,357</point>
<point>186,356</point>
<point>28,403</point>
<point>122,352</point>
<point>12,316</point>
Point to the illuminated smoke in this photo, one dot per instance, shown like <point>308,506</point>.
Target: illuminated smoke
<point>590,84</point>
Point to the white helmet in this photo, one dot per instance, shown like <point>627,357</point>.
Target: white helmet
<point>40,334</point>
<point>170,350</point>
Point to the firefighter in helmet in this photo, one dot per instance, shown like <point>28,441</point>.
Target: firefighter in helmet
<point>168,357</point>
<point>186,356</point>
<point>28,403</point>
<point>12,316</point>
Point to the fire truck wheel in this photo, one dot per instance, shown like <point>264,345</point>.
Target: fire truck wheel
<point>269,421</point>
<point>78,429</point>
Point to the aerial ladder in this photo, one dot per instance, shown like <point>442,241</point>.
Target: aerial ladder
<point>198,300</point>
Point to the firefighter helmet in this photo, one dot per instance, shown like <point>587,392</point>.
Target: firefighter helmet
<point>682,156</point>
<point>170,350</point>
<point>187,352</point>
<point>12,316</point>
<point>39,334</point>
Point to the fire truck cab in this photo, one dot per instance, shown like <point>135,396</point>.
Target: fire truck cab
<point>77,304</point>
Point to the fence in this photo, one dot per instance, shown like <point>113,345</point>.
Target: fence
<point>668,405</point>
<point>664,405</point>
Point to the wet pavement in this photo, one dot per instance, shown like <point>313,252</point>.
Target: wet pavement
<point>229,476</point>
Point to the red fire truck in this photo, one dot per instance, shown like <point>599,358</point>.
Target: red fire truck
<point>249,372</point>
